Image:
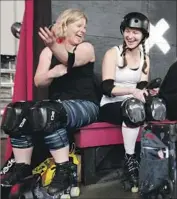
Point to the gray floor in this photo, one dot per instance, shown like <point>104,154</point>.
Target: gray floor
<point>109,190</point>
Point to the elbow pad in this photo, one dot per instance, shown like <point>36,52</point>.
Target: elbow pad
<point>107,86</point>
<point>141,85</point>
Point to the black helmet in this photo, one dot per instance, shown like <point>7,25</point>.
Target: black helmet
<point>136,20</point>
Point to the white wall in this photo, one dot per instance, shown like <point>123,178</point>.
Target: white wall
<point>11,11</point>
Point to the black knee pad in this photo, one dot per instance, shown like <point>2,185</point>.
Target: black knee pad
<point>133,112</point>
<point>155,109</point>
<point>15,120</point>
<point>47,116</point>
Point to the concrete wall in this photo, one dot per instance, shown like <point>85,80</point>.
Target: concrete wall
<point>11,11</point>
<point>104,21</point>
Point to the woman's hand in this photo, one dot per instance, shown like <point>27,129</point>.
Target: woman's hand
<point>140,94</point>
<point>154,91</point>
<point>47,36</point>
<point>58,71</point>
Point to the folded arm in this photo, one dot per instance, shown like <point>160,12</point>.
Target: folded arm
<point>44,75</point>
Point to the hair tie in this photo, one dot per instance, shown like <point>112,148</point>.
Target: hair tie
<point>59,40</point>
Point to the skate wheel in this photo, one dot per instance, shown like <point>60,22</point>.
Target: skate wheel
<point>75,192</point>
<point>65,196</point>
<point>134,189</point>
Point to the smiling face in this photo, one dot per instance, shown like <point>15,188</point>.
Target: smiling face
<point>132,37</point>
<point>70,26</point>
<point>75,32</point>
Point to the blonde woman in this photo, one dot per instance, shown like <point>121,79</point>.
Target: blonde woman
<point>66,66</point>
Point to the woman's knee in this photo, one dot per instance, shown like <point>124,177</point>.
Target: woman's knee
<point>133,112</point>
<point>155,109</point>
<point>47,116</point>
<point>15,118</point>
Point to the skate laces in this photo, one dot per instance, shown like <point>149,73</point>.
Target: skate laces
<point>132,165</point>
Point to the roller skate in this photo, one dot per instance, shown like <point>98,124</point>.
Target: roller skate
<point>129,175</point>
<point>19,172</point>
<point>12,181</point>
<point>62,186</point>
<point>8,166</point>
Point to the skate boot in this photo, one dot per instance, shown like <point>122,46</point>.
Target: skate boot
<point>131,170</point>
<point>11,181</point>
<point>19,172</point>
<point>61,185</point>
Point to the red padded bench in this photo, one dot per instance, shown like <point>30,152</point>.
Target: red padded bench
<point>88,139</point>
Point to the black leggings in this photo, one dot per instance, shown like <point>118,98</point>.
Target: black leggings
<point>111,113</point>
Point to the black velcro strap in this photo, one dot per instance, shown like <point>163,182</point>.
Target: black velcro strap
<point>141,85</point>
<point>71,60</point>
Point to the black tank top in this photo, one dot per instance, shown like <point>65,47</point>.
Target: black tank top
<point>77,84</point>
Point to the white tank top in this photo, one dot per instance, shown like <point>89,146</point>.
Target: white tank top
<point>125,77</point>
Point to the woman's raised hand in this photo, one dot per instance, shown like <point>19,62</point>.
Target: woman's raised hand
<point>47,36</point>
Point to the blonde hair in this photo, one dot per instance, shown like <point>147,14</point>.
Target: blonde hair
<point>64,19</point>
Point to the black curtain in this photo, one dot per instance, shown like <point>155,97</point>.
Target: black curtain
<point>42,17</point>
